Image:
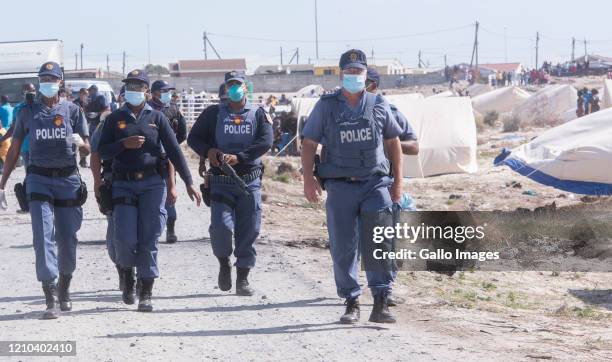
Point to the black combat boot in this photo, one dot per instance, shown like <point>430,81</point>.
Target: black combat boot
<point>242,283</point>
<point>63,292</point>
<point>394,300</point>
<point>170,235</point>
<point>351,314</point>
<point>146,291</point>
<point>225,274</point>
<point>380,310</point>
<point>129,296</point>
<point>52,311</point>
<point>121,279</point>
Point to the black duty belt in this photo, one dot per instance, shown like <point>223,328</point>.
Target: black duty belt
<point>52,172</point>
<point>249,177</point>
<point>135,175</point>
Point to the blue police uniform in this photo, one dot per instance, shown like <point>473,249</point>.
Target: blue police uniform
<point>246,133</point>
<point>110,246</point>
<point>54,189</point>
<point>179,126</point>
<point>139,188</point>
<point>96,104</point>
<point>355,171</point>
<point>52,175</point>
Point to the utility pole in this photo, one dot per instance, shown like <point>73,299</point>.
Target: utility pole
<point>573,49</point>
<point>537,49</point>
<point>81,55</point>
<point>107,64</point>
<point>474,60</point>
<point>205,39</point>
<point>316,30</point>
<point>297,56</point>
<point>505,44</point>
<point>281,55</point>
<point>123,65</point>
<point>445,64</point>
<point>148,44</point>
<point>76,61</point>
<point>420,61</point>
<point>585,49</point>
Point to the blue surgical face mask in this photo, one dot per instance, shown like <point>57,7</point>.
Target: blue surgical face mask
<point>354,83</point>
<point>235,93</point>
<point>166,97</point>
<point>49,90</point>
<point>134,98</point>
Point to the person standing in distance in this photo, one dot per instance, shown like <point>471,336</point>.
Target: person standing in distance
<point>360,136</point>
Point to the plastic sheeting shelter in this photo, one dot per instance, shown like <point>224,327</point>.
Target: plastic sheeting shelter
<point>500,100</point>
<point>606,95</point>
<point>547,105</point>
<point>574,157</point>
<point>446,130</point>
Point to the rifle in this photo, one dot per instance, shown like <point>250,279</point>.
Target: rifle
<point>230,172</point>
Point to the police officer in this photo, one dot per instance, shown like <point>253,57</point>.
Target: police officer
<point>135,137</point>
<point>239,134</point>
<point>54,188</point>
<point>102,175</point>
<point>94,108</point>
<point>358,130</point>
<point>410,146</point>
<point>161,97</point>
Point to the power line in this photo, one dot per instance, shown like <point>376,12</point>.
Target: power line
<point>389,37</point>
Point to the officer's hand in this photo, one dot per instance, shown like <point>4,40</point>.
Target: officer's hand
<point>133,142</point>
<point>202,168</point>
<point>97,185</point>
<point>3,203</point>
<point>194,195</point>
<point>77,140</point>
<point>212,157</point>
<point>396,191</point>
<point>172,195</point>
<point>312,190</point>
<point>230,159</point>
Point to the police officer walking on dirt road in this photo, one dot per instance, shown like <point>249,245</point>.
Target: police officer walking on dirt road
<point>237,134</point>
<point>54,188</point>
<point>137,138</point>
<point>359,132</point>
<point>161,97</point>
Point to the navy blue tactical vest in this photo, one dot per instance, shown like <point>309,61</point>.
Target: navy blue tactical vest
<point>354,146</point>
<point>236,131</point>
<point>50,133</point>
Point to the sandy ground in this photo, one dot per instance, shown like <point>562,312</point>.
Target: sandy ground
<point>470,316</point>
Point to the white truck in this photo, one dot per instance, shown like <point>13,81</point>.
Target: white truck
<point>21,60</point>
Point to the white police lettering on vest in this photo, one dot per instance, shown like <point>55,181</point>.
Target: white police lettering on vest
<point>51,133</point>
<point>237,128</point>
<point>356,135</point>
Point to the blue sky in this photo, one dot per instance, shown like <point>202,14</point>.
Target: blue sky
<point>392,28</point>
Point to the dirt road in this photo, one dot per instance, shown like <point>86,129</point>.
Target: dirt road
<point>292,316</point>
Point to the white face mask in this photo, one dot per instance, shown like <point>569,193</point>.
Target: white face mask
<point>134,98</point>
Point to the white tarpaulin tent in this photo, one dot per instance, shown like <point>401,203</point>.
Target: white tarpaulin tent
<point>606,95</point>
<point>446,131</point>
<point>478,89</point>
<point>313,91</point>
<point>548,104</point>
<point>575,156</point>
<point>444,94</point>
<point>501,100</point>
